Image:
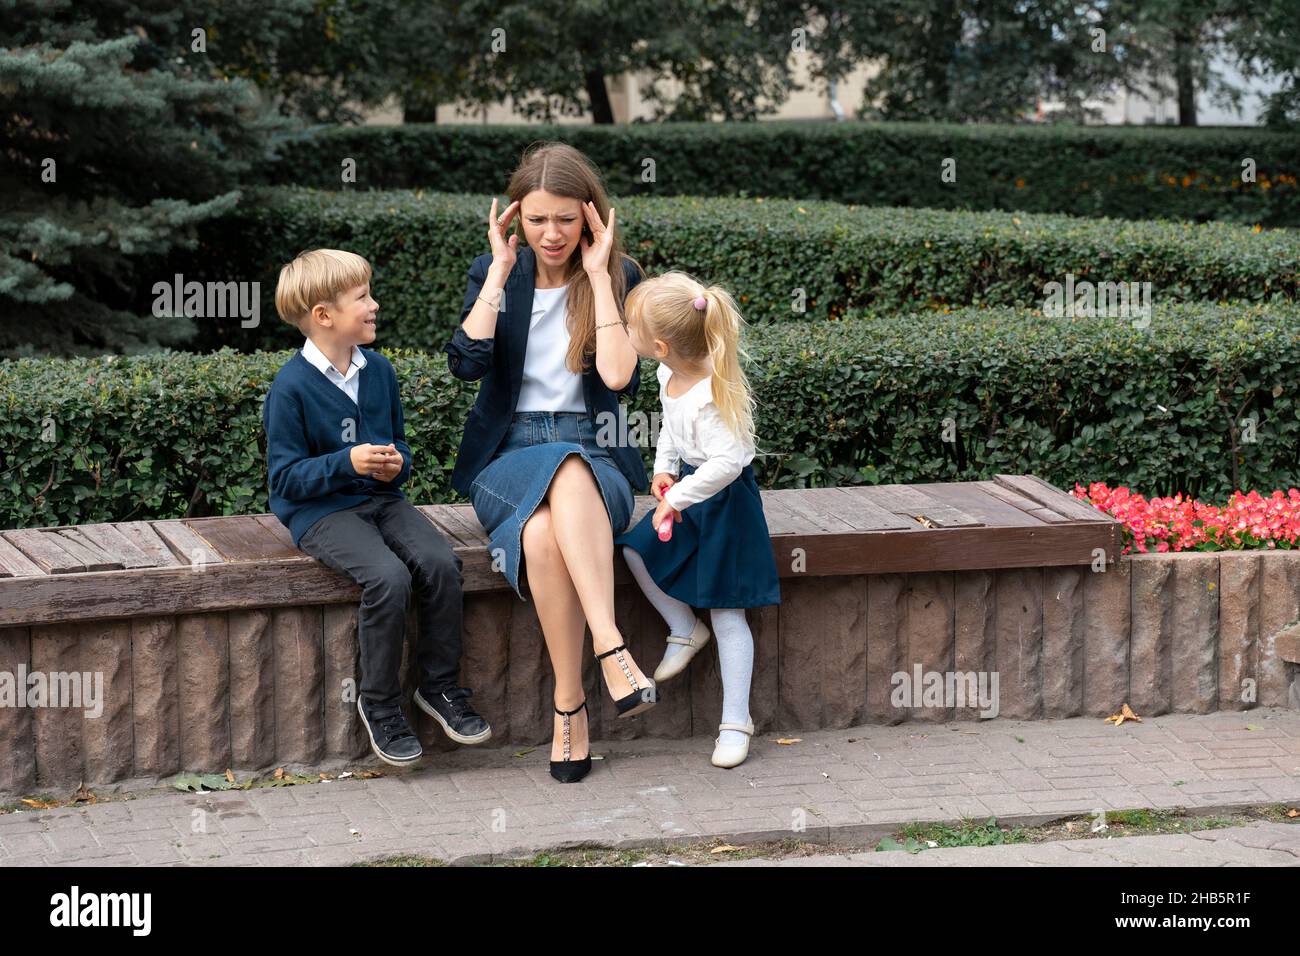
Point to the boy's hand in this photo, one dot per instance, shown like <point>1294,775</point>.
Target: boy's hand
<point>661,483</point>
<point>662,512</point>
<point>370,459</point>
<point>393,466</point>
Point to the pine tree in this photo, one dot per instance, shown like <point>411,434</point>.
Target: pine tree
<point>118,139</point>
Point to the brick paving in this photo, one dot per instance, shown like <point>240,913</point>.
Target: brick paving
<point>850,785</point>
<point>1257,844</point>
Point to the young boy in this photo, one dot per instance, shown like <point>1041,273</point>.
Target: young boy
<point>336,458</point>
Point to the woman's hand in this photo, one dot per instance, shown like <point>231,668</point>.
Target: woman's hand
<point>595,254</point>
<point>661,483</point>
<point>503,251</point>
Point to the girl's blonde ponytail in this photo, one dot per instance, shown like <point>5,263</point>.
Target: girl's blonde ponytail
<point>731,393</point>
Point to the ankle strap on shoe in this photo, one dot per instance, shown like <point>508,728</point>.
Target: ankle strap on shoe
<point>570,713</point>
<point>743,728</point>
<point>615,650</point>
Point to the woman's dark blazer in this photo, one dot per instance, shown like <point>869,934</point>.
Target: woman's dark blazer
<point>499,361</point>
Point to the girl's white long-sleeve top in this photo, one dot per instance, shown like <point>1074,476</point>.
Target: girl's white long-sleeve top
<point>691,429</point>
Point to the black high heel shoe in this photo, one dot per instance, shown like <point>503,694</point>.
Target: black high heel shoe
<point>641,698</point>
<point>566,770</point>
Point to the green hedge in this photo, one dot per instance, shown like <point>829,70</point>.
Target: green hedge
<point>763,250</point>
<point>1122,172</point>
<point>862,400</point>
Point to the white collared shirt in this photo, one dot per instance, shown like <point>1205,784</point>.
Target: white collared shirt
<point>350,384</point>
<point>548,385</point>
<point>692,430</point>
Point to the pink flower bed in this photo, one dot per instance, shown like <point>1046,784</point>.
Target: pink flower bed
<point>1183,524</point>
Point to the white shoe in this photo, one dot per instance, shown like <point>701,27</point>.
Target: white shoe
<point>732,755</point>
<point>671,667</point>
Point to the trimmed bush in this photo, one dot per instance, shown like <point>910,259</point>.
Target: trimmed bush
<point>868,399</point>
<point>1121,172</point>
<point>764,251</point>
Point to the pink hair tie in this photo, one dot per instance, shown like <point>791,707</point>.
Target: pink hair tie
<point>700,303</point>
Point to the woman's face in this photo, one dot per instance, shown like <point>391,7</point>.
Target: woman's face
<point>552,225</point>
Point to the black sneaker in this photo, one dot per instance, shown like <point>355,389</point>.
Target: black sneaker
<point>452,709</point>
<point>391,736</point>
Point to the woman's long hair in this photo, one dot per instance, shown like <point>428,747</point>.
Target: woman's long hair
<point>561,170</point>
<point>712,338</point>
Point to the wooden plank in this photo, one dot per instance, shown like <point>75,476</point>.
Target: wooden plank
<point>187,545</point>
<point>459,523</point>
<point>45,551</point>
<point>143,536</point>
<point>780,520</point>
<point>248,584</point>
<point>445,522</point>
<point>118,546</point>
<point>15,564</point>
<point>979,504</point>
<point>85,550</point>
<point>242,538</point>
<point>911,501</point>
<point>278,531</point>
<point>1027,505</point>
<point>859,511</point>
<point>797,502</point>
<point>1051,497</point>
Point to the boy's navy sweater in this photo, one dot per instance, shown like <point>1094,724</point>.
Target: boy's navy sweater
<point>307,418</point>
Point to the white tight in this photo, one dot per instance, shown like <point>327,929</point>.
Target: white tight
<point>730,631</point>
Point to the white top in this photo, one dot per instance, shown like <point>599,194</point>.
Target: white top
<point>350,384</point>
<point>548,385</point>
<point>692,430</point>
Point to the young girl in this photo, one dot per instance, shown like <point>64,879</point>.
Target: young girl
<point>719,554</point>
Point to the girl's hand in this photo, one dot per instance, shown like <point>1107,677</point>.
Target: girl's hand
<point>662,512</point>
<point>595,254</point>
<point>503,251</point>
<point>661,483</point>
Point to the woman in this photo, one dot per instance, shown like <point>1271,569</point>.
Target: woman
<point>543,328</point>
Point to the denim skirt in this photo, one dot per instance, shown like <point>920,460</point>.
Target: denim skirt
<point>511,486</point>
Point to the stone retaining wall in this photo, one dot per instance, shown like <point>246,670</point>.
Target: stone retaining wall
<point>257,689</point>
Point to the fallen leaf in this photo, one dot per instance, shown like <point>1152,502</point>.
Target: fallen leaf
<point>368,774</point>
<point>279,773</point>
<point>523,753</point>
<point>790,740</point>
<point>1293,813</point>
<point>84,796</point>
<point>1125,713</point>
<point>229,775</point>
<point>1254,727</point>
<point>39,804</point>
<point>726,848</point>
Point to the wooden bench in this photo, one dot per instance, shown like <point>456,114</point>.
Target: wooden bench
<point>64,574</point>
<point>221,645</point>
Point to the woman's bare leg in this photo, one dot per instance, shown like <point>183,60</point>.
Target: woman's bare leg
<point>581,529</point>
<point>560,615</point>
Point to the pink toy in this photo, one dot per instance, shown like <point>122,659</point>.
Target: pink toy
<point>665,528</point>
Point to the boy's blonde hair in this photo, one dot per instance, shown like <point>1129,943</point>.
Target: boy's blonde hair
<point>665,306</point>
<point>318,275</point>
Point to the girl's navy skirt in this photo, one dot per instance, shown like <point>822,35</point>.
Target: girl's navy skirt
<point>720,554</point>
